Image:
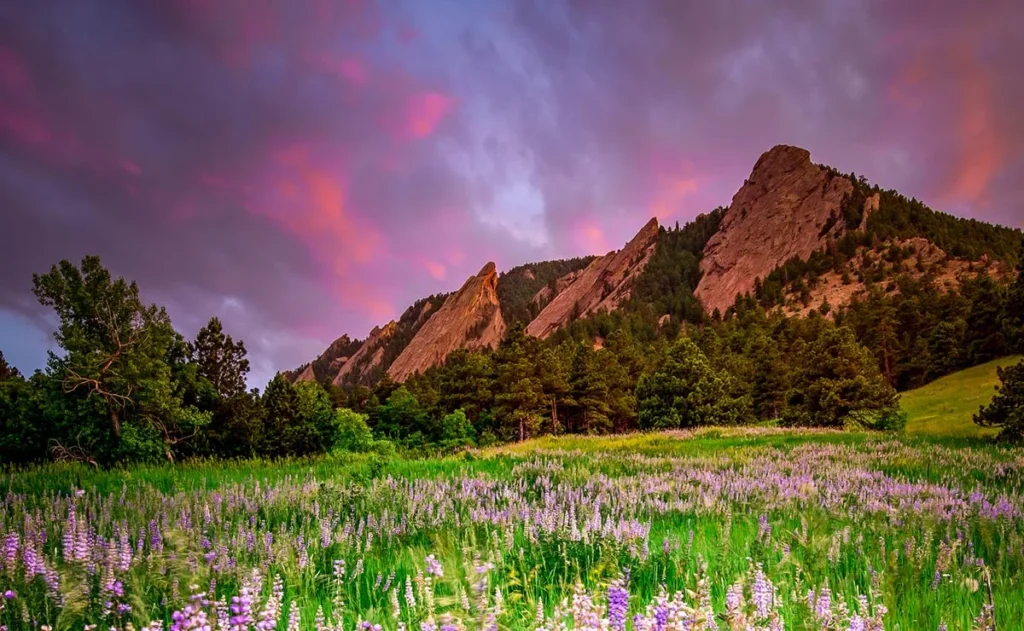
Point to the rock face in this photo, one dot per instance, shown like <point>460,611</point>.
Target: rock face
<point>369,354</point>
<point>470,318</point>
<point>601,286</point>
<point>307,374</point>
<point>787,207</point>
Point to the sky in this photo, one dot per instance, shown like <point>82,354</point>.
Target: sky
<point>303,169</point>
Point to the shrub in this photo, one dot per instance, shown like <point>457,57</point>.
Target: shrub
<point>353,434</point>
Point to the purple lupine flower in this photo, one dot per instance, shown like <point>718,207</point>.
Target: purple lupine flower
<point>762,594</point>
<point>434,567</point>
<point>618,605</point>
<point>823,607</point>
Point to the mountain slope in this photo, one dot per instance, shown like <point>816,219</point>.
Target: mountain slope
<point>946,406</point>
<point>601,286</point>
<point>470,318</point>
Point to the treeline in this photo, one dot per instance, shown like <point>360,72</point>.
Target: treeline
<point>127,387</point>
<point>753,367</point>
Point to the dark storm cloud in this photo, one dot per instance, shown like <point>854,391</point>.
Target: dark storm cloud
<point>304,169</point>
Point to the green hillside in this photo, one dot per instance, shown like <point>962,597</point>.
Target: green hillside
<point>945,406</point>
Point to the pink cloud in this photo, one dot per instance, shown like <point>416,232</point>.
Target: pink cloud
<point>425,111</point>
<point>436,270</point>
<point>130,167</point>
<point>25,127</point>
<point>14,75</point>
<point>351,69</point>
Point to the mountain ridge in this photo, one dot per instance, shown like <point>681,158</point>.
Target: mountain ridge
<point>791,221</point>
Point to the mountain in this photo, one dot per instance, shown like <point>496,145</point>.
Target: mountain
<point>797,237</point>
<point>329,362</point>
<point>601,286</point>
<point>470,318</point>
<point>785,209</point>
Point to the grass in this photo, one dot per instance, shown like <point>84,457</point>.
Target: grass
<point>864,514</point>
<point>946,406</point>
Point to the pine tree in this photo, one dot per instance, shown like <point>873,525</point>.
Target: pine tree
<point>589,389</point>
<point>281,407</point>
<point>837,378</point>
<point>114,372</point>
<point>1006,411</point>
<point>519,400</point>
<point>771,379</point>
<point>220,359</point>
<point>686,392</point>
<point>1013,313</point>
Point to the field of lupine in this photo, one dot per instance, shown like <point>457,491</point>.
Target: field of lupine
<point>715,529</point>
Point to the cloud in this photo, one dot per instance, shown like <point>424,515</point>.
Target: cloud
<point>323,164</point>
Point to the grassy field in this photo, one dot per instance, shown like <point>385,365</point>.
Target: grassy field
<point>945,406</point>
<point>736,528</point>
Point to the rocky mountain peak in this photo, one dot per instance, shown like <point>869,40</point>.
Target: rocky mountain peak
<point>470,318</point>
<point>601,286</point>
<point>788,207</point>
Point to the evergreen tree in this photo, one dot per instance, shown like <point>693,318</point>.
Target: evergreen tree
<point>237,427</point>
<point>589,388</point>
<point>519,400</point>
<point>114,370</point>
<point>1006,411</point>
<point>838,377</point>
<point>985,319</point>
<point>686,392</point>
<point>280,407</point>
<point>220,359</point>
<point>771,380</point>
<point>1013,310</point>
<point>945,344</point>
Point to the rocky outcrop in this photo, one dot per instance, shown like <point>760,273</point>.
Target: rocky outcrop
<point>470,318</point>
<point>601,286</point>
<point>787,207</point>
<point>370,354</point>
<point>545,294</point>
<point>923,258</point>
<point>307,374</point>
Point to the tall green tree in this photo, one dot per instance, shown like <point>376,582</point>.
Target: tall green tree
<point>220,359</point>
<point>837,377</point>
<point>114,364</point>
<point>770,382</point>
<point>686,392</point>
<point>1013,310</point>
<point>280,405</point>
<point>519,401</point>
<point>1006,411</point>
<point>589,387</point>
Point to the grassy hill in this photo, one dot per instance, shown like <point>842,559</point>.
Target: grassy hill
<point>945,406</point>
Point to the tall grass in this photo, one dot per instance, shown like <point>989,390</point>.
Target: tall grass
<point>919,528</point>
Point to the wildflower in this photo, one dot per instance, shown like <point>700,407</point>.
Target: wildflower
<point>618,605</point>
<point>434,567</point>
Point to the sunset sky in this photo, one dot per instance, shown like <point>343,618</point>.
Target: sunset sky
<point>307,169</point>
